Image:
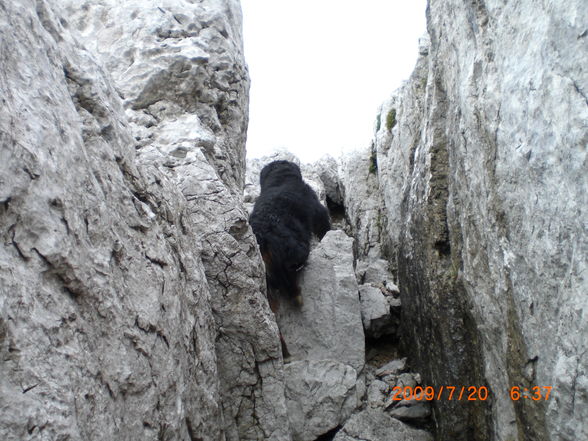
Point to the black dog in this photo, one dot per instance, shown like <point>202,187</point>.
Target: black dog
<point>285,215</point>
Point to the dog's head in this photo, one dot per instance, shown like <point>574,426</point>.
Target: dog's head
<point>277,171</point>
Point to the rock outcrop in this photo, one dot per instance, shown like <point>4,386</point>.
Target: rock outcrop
<point>363,204</point>
<point>375,425</point>
<point>132,292</point>
<point>481,163</point>
<point>179,68</point>
<point>328,324</point>
<point>326,341</point>
<point>133,298</point>
<point>328,379</point>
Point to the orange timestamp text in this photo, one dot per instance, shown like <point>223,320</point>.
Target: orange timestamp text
<point>465,393</point>
<point>535,393</point>
<point>429,393</point>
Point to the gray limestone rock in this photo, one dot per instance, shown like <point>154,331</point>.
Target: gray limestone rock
<point>376,272</point>
<point>106,327</point>
<point>132,293</point>
<point>328,170</point>
<point>375,312</point>
<point>377,393</point>
<point>363,204</point>
<point>407,379</point>
<point>248,352</point>
<point>132,300</point>
<point>375,425</point>
<point>393,367</point>
<point>328,325</point>
<point>411,410</point>
<point>320,396</point>
<point>484,183</point>
<point>325,339</point>
<point>179,69</point>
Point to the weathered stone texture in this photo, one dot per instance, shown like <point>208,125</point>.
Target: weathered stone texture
<point>375,425</point>
<point>325,340</point>
<point>179,67</point>
<point>320,395</point>
<point>328,325</point>
<point>132,298</point>
<point>363,204</point>
<point>132,294</point>
<point>248,352</point>
<point>102,337</point>
<point>484,180</point>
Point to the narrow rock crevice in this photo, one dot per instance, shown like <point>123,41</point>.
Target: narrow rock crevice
<point>133,298</point>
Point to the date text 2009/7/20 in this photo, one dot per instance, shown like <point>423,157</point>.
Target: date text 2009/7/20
<point>466,393</point>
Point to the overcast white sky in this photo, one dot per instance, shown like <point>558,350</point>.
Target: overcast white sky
<point>320,69</point>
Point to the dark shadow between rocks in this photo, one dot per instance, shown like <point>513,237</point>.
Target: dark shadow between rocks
<point>330,435</point>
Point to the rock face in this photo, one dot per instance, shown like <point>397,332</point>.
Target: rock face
<point>132,301</point>
<point>363,204</point>
<point>328,325</point>
<point>326,375</point>
<point>375,425</point>
<point>326,341</point>
<point>482,169</point>
<point>379,312</point>
<point>179,68</point>
<point>320,395</point>
<point>132,292</point>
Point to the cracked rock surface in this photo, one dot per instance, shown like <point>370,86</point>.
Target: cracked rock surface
<point>328,324</point>
<point>132,292</point>
<point>375,425</point>
<point>364,208</point>
<point>179,68</point>
<point>320,396</point>
<point>325,340</point>
<point>483,177</point>
<point>132,302</point>
<point>345,299</point>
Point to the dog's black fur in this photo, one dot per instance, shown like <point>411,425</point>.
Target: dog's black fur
<point>285,215</point>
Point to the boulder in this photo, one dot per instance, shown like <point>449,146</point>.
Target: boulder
<point>375,425</point>
<point>320,396</point>
<point>376,314</point>
<point>328,325</point>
